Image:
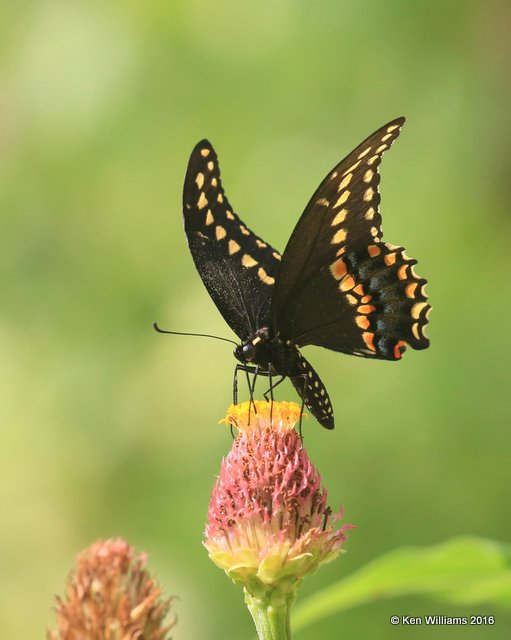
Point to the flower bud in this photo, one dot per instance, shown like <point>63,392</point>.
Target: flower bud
<point>268,521</point>
<point>110,596</point>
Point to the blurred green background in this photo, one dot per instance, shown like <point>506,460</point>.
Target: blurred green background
<point>109,429</point>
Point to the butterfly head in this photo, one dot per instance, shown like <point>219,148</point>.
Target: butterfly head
<point>245,352</point>
<point>254,349</point>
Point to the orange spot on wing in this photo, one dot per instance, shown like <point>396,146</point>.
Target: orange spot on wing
<point>399,349</point>
<point>410,290</point>
<point>369,340</point>
<point>338,269</point>
<point>401,272</point>
<point>347,283</point>
<point>366,308</point>
<point>362,322</point>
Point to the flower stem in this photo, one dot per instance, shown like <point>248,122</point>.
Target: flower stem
<point>271,614</point>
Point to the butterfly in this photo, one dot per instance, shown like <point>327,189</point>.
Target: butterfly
<point>337,284</point>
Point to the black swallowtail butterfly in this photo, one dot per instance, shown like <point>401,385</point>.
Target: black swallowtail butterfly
<point>337,284</point>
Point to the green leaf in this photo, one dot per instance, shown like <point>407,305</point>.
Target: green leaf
<point>464,570</point>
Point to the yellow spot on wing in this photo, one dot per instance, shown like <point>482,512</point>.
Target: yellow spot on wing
<point>368,175</point>
<point>229,214</point>
<point>372,159</point>
<point>352,168</point>
<point>323,202</point>
<point>417,309</point>
<point>234,247</point>
<point>344,196</point>
<point>389,135</point>
<point>345,182</point>
<point>204,153</point>
<point>364,153</point>
<point>381,148</point>
<point>199,180</point>
<point>214,182</point>
<point>247,261</point>
<point>392,128</point>
<point>415,330</point>
<point>209,218</point>
<point>368,194</point>
<point>219,198</point>
<point>211,164</point>
<point>340,236</point>
<point>340,217</point>
<point>220,232</point>
<point>277,256</point>
<point>203,201</point>
<point>244,230</point>
<point>264,277</point>
<point>261,244</point>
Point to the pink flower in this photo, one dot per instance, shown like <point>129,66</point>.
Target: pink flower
<point>110,596</point>
<point>268,521</point>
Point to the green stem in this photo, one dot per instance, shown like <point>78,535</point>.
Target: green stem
<point>271,614</point>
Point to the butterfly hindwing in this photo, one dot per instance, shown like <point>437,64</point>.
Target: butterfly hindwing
<point>237,267</point>
<point>339,285</point>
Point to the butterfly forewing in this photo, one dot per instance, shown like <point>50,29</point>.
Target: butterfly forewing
<point>237,267</point>
<point>344,211</point>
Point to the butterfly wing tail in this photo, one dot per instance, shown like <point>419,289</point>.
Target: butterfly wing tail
<point>314,394</point>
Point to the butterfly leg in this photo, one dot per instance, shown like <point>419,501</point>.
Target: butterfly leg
<point>250,384</point>
<point>272,387</point>
<point>247,370</point>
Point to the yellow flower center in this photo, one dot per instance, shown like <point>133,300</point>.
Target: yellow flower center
<point>259,415</point>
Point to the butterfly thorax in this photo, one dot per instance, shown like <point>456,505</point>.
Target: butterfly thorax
<point>270,354</point>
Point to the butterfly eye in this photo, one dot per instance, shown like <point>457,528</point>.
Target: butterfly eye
<point>249,352</point>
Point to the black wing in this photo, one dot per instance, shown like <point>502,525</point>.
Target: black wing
<point>237,267</point>
<point>339,285</point>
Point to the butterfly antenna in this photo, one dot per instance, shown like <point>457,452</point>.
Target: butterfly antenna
<point>200,335</point>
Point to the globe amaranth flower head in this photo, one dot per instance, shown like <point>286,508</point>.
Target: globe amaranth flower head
<point>110,596</point>
<point>268,521</point>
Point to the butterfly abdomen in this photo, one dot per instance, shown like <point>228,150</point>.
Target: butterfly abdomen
<point>313,392</point>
